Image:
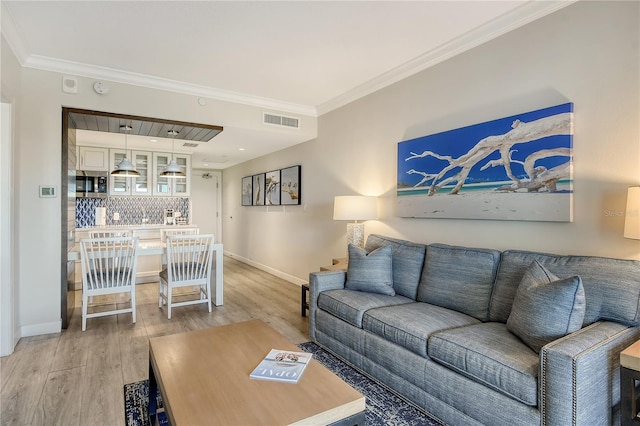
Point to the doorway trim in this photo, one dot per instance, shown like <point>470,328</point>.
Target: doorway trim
<point>9,334</point>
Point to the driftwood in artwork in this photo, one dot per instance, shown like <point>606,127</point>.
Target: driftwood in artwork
<point>538,178</point>
<point>271,188</point>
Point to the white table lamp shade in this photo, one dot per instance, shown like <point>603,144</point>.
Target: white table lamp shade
<point>355,207</point>
<point>632,215</point>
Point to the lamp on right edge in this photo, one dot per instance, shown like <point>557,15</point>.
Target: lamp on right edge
<point>632,215</point>
<point>355,207</point>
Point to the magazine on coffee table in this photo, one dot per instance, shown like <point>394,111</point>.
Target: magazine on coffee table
<point>282,366</point>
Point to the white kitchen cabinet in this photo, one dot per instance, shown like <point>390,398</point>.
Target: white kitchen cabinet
<point>182,187</point>
<point>142,161</point>
<point>93,159</point>
<point>118,185</point>
<point>163,186</point>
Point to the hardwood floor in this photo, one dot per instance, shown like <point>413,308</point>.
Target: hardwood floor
<point>77,378</point>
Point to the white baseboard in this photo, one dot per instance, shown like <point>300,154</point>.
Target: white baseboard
<point>38,329</point>
<point>277,273</point>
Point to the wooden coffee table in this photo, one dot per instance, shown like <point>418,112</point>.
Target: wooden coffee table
<point>203,377</point>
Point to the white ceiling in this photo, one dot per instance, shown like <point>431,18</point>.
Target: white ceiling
<point>298,57</point>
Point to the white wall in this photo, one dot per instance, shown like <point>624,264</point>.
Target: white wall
<point>587,54</point>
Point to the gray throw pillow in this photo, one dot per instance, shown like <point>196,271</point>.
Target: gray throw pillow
<point>546,308</point>
<point>371,272</point>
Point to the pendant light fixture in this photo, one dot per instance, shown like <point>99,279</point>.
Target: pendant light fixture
<point>173,170</point>
<point>125,168</point>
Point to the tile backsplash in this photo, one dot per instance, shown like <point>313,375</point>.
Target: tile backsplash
<point>132,209</point>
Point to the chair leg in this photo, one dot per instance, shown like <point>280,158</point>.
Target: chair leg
<point>169,294</point>
<point>133,302</point>
<point>85,300</point>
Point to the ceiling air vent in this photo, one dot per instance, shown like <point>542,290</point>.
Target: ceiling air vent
<point>190,145</point>
<point>280,120</point>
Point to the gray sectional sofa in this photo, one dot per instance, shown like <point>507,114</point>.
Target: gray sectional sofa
<point>479,336</point>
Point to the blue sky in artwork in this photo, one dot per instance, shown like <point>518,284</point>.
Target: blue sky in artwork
<point>458,142</point>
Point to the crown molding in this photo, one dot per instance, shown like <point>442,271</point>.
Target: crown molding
<point>509,21</point>
<point>23,54</point>
<point>11,34</point>
<point>143,80</point>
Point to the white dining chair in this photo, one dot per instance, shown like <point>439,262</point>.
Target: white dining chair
<point>164,233</point>
<point>110,234</point>
<point>189,263</point>
<point>108,267</point>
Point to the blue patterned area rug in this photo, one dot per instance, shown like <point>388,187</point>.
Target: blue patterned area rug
<point>383,406</point>
<point>136,405</point>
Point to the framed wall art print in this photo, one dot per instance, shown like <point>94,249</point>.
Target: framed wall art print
<point>290,185</point>
<point>514,168</point>
<point>272,188</point>
<point>247,191</point>
<point>258,189</point>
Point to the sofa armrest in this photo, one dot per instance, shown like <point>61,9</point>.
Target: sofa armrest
<point>579,375</point>
<point>319,282</point>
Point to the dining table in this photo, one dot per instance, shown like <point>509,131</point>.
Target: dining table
<point>157,247</point>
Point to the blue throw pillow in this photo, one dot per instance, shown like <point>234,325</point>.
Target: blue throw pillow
<point>546,308</point>
<point>371,272</point>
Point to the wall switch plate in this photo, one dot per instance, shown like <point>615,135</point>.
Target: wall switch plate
<point>47,191</point>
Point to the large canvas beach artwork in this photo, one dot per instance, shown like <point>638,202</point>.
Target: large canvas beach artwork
<point>513,168</point>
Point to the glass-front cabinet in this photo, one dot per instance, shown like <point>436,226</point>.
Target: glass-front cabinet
<point>142,161</point>
<point>118,185</point>
<point>161,185</point>
<point>131,186</point>
<point>180,187</point>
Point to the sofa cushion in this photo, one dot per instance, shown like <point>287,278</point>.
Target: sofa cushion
<point>350,305</point>
<point>490,355</point>
<point>406,264</point>
<point>370,272</point>
<point>411,325</point>
<point>611,286</point>
<point>546,308</point>
<point>459,278</point>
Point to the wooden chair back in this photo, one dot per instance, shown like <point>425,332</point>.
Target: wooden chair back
<point>108,263</point>
<point>110,234</point>
<point>189,259</point>
<point>164,233</point>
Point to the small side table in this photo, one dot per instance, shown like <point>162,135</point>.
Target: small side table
<point>304,303</point>
<point>629,375</point>
<point>338,264</point>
